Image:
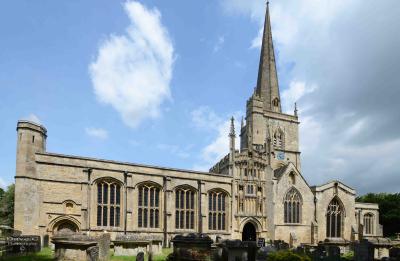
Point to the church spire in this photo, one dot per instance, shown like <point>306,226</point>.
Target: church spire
<point>267,82</point>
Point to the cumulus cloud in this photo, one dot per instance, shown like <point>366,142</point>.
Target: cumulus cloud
<point>33,117</point>
<point>205,119</point>
<point>350,124</point>
<point>97,133</point>
<point>132,72</point>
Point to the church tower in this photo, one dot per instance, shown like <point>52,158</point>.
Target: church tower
<point>268,142</point>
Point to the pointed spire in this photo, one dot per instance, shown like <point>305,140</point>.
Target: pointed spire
<point>232,130</point>
<point>267,82</point>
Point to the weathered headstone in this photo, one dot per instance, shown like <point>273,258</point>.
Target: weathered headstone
<point>22,244</point>
<point>140,256</point>
<point>263,252</point>
<point>93,253</point>
<point>194,246</point>
<point>394,253</point>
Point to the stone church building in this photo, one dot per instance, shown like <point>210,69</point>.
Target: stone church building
<point>256,191</point>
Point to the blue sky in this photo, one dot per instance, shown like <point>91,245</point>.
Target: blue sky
<point>155,82</point>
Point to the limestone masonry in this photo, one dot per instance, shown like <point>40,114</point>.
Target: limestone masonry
<point>256,191</point>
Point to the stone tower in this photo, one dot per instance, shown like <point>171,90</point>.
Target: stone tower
<point>268,141</point>
<point>31,139</point>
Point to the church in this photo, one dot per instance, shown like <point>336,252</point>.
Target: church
<point>255,192</point>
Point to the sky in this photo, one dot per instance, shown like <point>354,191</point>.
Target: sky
<point>155,82</point>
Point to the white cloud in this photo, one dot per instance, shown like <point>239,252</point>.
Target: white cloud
<point>338,46</point>
<point>296,90</point>
<point>33,117</point>
<point>3,184</point>
<point>204,118</point>
<point>219,43</point>
<point>97,133</point>
<point>132,72</point>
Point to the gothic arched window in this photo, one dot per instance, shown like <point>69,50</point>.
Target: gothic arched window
<point>108,203</point>
<point>149,206</point>
<point>278,139</point>
<point>368,224</point>
<point>292,206</point>
<point>185,201</point>
<point>334,218</point>
<point>217,210</point>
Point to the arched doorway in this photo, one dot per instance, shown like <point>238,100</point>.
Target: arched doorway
<point>249,232</point>
<point>65,227</point>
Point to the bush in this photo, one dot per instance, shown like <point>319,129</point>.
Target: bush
<point>348,256</point>
<point>287,256</point>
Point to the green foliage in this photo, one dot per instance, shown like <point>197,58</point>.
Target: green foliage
<point>7,206</point>
<point>389,210</point>
<point>287,256</point>
<point>348,256</point>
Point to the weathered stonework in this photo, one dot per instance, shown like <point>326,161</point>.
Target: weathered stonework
<point>243,196</point>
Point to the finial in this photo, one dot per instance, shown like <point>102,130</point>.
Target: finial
<point>242,123</point>
<point>267,2</point>
<point>295,109</point>
<point>232,131</point>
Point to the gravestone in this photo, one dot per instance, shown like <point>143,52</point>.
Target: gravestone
<point>334,253</point>
<point>16,245</point>
<point>394,253</point>
<point>140,256</point>
<point>193,246</point>
<point>93,253</point>
<point>261,242</point>
<point>263,252</point>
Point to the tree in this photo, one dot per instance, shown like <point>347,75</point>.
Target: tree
<point>389,210</point>
<point>7,206</point>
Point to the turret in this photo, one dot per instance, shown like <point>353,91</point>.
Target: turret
<point>31,139</point>
<point>232,137</point>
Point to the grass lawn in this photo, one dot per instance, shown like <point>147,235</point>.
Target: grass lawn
<point>47,254</point>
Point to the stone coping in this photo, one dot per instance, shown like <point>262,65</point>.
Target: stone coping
<point>73,242</point>
<point>131,241</point>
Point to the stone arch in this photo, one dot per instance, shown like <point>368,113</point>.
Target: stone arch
<point>148,182</point>
<point>64,224</point>
<point>369,223</point>
<point>219,190</point>
<point>278,138</point>
<point>108,179</point>
<point>246,229</point>
<point>185,186</point>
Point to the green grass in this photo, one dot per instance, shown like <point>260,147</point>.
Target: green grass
<point>161,257</point>
<point>47,254</point>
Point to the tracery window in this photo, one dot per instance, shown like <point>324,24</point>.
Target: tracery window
<point>278,139</point>
<point>184,208</point>
<point>292,206</point>
<point>149,206</point>
<point>108,204</point>
<point>334,218</point>
<point>368,224</point>
<point>250,189</point>
<point>216,210</point>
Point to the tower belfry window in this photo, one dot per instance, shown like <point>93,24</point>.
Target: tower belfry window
<point>278,139</point>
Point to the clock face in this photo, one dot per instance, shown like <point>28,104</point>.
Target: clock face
<point>280,155</point>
